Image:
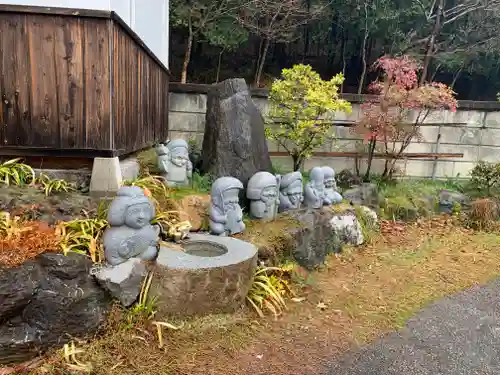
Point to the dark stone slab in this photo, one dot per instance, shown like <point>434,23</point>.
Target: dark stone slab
<point>234,143</point>
<point>45,302</point>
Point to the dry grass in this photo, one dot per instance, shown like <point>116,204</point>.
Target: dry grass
<point>356,297</point>
<point>484,213</point>
<point>32,239</point>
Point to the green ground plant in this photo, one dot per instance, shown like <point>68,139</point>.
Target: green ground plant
<point>13,172</point>
<point>50,186</point>
<point>485,178</point>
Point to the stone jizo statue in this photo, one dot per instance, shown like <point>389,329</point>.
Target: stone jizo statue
<point>314,191</point>
<point>332,196</point>
<point>174,163</point>
<point>262,191</point>
<point>131,234</point>
<point>291,191</point>
<point>226,215</point>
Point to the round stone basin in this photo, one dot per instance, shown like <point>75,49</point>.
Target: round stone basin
<point>212,274</point>
<point>204,248</point>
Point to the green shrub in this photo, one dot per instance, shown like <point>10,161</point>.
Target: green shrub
<point>486,176</point>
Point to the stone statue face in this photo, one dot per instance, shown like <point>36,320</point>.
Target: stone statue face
<point>269,194</point>
<point>179,157</point>
<point>294,193</point>
<point>330,182</point>
<point>230,199</point>
<point>138,216</point>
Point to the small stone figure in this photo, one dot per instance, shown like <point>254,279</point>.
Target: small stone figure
<point>314,191</point>
<point>291,191</point>
<point>130,234</point>
<point>226,216</point>
<point>332,196</point>
<point>262,191</point>
<point>174,163</point>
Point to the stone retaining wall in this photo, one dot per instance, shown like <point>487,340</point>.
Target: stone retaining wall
<point>474,130</point>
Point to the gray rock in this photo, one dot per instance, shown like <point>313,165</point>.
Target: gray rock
<point>365,194</point>
<point>47,301</point>
<point>123,281</point>
<point>314,238</point>
<point>370,216</point>
<point>262,192</point>
<point>347,229</point>
<point>225,213</point>
<point>234,143</point>
<point>449,198</point>
<point>291,191</point>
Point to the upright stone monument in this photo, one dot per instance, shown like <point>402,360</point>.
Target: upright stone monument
<point>262,191</point>
<point>174,163</point>
<point>314,191</point>
<point>131,234</point>
<point>291,191</point>
<point>226,215</point>
<point>234,143</point>
<point>332,196</point>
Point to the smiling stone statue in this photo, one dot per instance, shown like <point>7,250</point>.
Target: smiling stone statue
<point>291,191</point>
<point>131,234</point>
<point>226,215</point>
<point>262,191</point>
<point>332,196</point>
<point>174,163</point>
<point>314,191</point>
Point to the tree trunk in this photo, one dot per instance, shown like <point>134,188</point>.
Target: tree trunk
<point>363,54</point>
<point>297,162</point>
<point>432,42</point>
<point>187,55</point>
<point>260,68</point>
<point>455,77</point>
<point>218,66</point>
<point>371,150</point>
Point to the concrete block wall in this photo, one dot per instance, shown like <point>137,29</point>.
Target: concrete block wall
<point>474,130</point>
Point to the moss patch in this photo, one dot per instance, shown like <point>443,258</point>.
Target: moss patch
<point>271,238</point>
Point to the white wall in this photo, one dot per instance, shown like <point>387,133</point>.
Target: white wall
<point>148,18</point>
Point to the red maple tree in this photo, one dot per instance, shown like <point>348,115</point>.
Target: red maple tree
<point>392,117</point>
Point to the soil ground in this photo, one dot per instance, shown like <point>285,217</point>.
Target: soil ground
<point>356,297</point>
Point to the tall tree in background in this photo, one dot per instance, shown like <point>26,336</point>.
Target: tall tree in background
<point>274,21</point>
<point>212,19</point>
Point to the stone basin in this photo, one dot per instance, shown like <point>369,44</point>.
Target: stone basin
<point>211,274</point>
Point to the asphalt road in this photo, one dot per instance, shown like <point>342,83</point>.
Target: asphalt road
<point>459,335</point>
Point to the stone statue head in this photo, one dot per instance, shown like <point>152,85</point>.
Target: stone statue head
<point>317,177</point>
<point>225,193</point>
<point>178,150</point>
<point>291,186</point>
<point>263,186</point>
<point>329,175</point>
<point>131,208</point>
<point>161,149</point>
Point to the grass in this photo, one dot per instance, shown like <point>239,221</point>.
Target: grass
<point>356,297</point>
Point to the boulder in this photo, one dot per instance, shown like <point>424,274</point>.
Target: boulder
<point>124,281</point>
<point>194,208</point>
<point>347,229</point>
<point>312,240</point>
<point>449,198</point>
<point>365,194</point>
<point>234,143</point>
<point>47,301</point>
